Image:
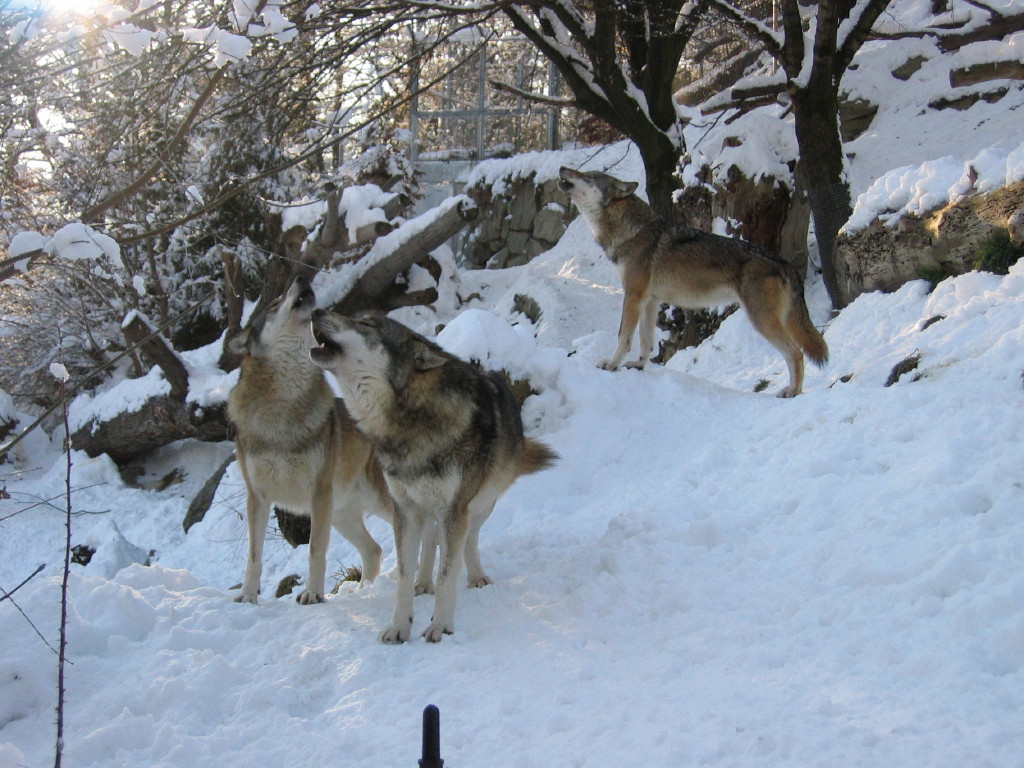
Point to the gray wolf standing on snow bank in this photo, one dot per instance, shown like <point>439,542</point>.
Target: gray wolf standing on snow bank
<point>298,447</point>
<point>450,441</point>
<point>659,264</point>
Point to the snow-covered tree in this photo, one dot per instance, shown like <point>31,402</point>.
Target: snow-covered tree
<point>173,130</point>
<point>815,44</point>
<point>619,58</point>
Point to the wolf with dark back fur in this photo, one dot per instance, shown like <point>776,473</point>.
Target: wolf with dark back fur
<point>298,447</point>
<point>659,264</point>
<point>450,441</point>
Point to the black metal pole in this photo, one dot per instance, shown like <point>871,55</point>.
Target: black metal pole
<point>431,738</point>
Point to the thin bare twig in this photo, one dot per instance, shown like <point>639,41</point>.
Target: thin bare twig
<point>46,503</point>
<point>34,627</point>
<point>63,643</point>
<point>7,595</point>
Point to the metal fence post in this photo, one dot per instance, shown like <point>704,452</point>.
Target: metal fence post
<point>431,738</point>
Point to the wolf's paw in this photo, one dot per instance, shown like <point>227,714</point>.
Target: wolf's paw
<point>787,393</point>
<point>478,581</point>
<point>436,631</point>
<point>608,365</point>
<point>394,635</point>
<point>309,597</point>
<point>637,364</point>
<point>248,598</point>
<point>426,588</point>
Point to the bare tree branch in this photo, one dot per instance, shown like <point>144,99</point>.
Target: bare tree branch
<point>7,595</point>
<point>143,178</point>
<point>539,98</point>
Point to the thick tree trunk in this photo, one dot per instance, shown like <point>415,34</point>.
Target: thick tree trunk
<point>661,159</point>
<point>816,110</point>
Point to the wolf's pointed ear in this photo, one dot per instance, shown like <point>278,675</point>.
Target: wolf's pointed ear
<point>239,343</point>
<point>621,189</point>
<point>427,359</point>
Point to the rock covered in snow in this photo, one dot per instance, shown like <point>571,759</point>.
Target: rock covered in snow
<point>940,243</point>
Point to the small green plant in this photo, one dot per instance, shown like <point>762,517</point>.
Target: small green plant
<point>934,275</point>
<point>997,254</point>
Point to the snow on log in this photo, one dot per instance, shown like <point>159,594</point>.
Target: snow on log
<point>161,420</point>
<point>394,253</point>
<point>1010,69</point>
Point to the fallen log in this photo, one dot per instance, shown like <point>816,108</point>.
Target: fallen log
<point>1010,69</point>
<point>408,248</point>
<point>161,420</point>
<point>999,27</point>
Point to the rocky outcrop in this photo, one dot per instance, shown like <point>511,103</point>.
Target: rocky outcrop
<point>520,219</point>
<point>518,222</point>
<point>942,243</point>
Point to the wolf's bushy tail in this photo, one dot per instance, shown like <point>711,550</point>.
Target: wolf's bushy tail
<point>536,456</point>
<point>806,335</point>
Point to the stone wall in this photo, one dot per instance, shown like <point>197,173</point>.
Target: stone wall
<point>520,221</point>
<point>944,242</point>
<point>523,219</point>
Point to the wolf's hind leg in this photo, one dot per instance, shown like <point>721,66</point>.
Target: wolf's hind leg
<point>795,361</point>
<point>350,524</point>
<point>765,306</point>
<point>475,576</point>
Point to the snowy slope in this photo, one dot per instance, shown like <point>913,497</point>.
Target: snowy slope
<point>708,577</point>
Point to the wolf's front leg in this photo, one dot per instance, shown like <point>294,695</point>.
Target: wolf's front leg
<point>319,538</point>
<point>648,321</point>
<point>453,546</point>
<point>627,324</point>
<point>408,531</point>
<point>257,514</point>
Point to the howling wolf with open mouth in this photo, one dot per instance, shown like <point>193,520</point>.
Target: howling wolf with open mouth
<point>659,263</point>
<point>449,438</point>
<point>298,447</point>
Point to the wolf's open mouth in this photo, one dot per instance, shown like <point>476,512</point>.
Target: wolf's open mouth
<point>325,343</point>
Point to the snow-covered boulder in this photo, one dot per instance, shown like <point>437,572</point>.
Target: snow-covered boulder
<point>944,242</point>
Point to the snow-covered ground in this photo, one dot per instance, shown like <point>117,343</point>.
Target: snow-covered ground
<point>709,576</point>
